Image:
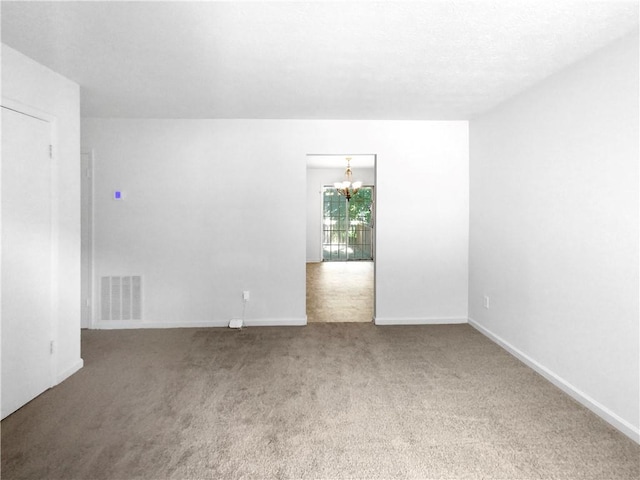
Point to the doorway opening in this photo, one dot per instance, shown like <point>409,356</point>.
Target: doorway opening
<point>340,240</point>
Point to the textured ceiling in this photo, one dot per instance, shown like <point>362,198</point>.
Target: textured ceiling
<point>329,60</point>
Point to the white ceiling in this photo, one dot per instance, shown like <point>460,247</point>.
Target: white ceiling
<point>309,60</point>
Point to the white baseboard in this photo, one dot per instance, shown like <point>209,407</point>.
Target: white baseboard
<point>133,324</point>
<point>603,412</point>
<point>255,322</point>
<point>62,376</point>
<point>418,321</point>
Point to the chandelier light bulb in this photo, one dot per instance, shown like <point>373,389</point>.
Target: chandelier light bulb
<point>347,188</point>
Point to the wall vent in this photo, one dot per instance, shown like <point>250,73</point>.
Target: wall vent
<point>121,298</point>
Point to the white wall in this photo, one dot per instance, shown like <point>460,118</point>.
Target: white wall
<point>31,84</point>
<point>214,207</point>
<point>554,229</point>
<point>316,179</point>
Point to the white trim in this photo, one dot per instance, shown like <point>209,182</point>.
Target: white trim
<point>256,322</point>
<point>321,226</point>
<point>69,371</point>
<point>603,412</point>
<point>133,324</point>
<point>92,283</point>
<point>28,110</point>
<point>55,246</point>
<point>418,321</point>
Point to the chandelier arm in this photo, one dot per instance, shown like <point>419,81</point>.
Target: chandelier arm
<point>348,187</point>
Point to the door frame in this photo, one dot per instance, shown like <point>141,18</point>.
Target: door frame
<point>374,220</point>
<point>52,120</point>
<point>87,284</point>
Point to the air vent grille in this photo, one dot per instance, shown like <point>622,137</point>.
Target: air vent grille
<point>121,298</point>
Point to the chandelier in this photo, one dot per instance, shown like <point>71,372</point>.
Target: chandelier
<point>348,188</point>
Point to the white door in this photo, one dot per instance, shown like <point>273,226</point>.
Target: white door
<point>26,260</point>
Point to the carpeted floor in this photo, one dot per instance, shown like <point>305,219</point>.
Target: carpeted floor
<point>322,401</point>
<point>344,287</point>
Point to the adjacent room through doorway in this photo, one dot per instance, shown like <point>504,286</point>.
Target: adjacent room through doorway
<point>340,238</point>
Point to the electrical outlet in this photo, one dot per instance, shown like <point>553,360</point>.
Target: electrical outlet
<point>245,295</point>
<point>486,301</point>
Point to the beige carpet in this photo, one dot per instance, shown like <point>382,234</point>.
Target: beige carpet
<point>340,292</point>
<point>322,401</point>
